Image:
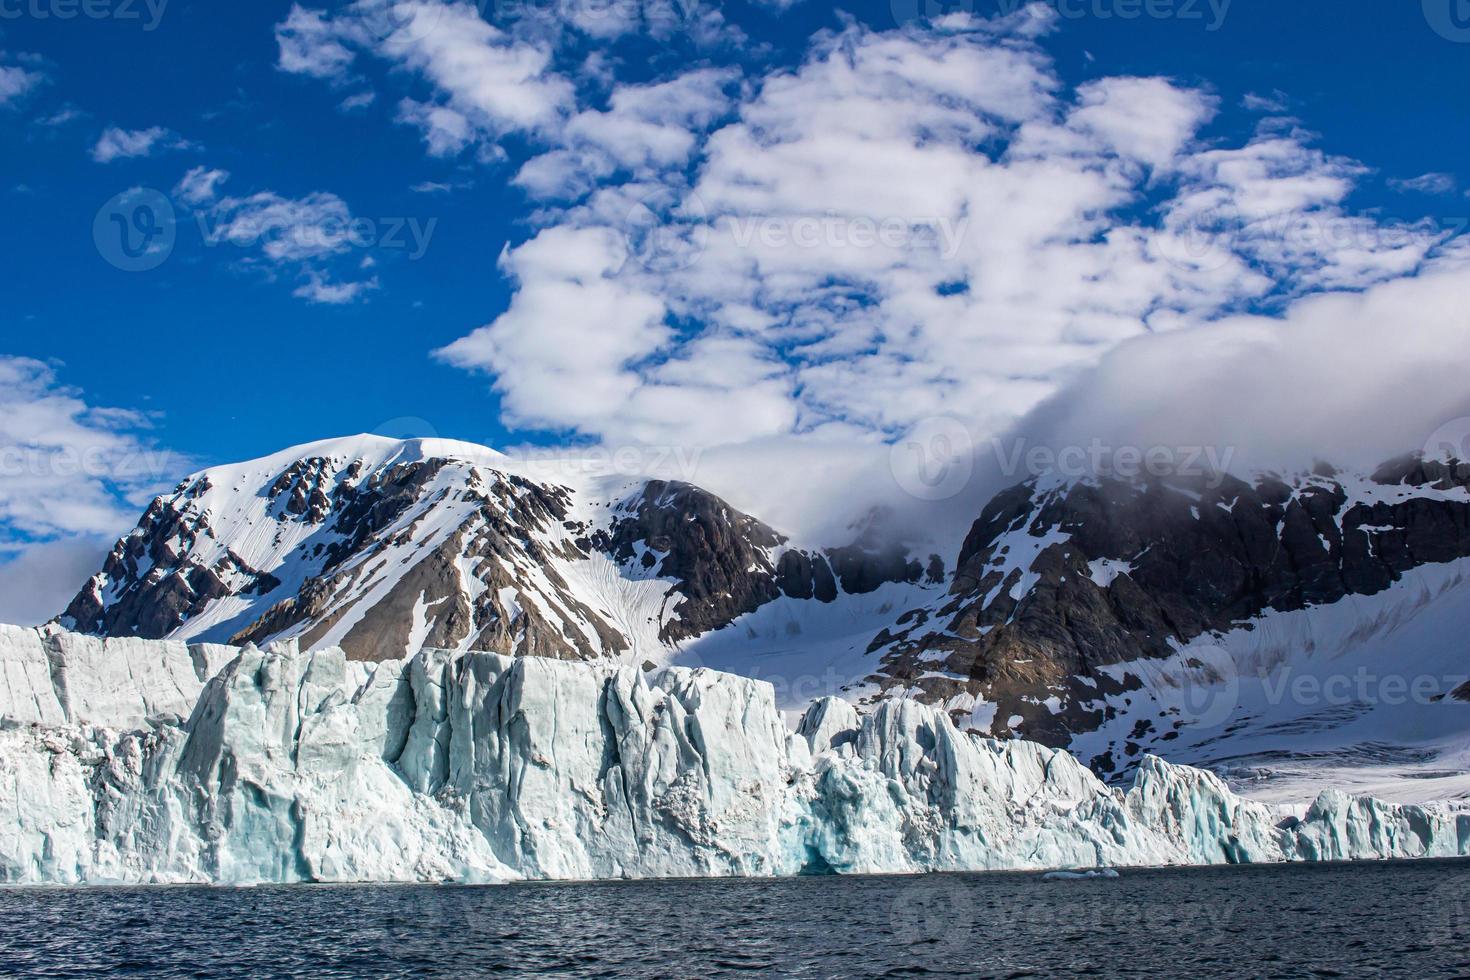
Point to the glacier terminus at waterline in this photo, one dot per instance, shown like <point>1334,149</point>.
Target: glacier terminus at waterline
<point>137,761</point>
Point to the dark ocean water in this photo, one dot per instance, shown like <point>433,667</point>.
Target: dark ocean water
<point>1410,919</point>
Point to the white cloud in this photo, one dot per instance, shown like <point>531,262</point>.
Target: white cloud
<point>300,237</point>
<point>309,44</point>
<point>200,185</point>
<point>38,580</point>
<point>122,144</point>
<point>73,476</point>
<point>16,82</point>
<point>576,372</point>
<point>1352,378</point>
<point>487,82</point>
<point>1277,101</point>
<point>1145,119</point>
<point>285,229</point>
<point>318,289</point>
<point>1430,183</point>
<point>357,101</point>
<point>68,467</point>
<point>61,117</point>
<point>911,223</point>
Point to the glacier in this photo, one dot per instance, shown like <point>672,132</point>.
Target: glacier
<point>154,761</point>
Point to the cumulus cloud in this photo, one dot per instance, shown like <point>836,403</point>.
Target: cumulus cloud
<point>310,44</point>
<point>646,130</point>
<point>318,289</point>
<point>68,467</point>
<point>488,83</point>
<point>16,82</point>
<point>38,581</point>
<point>305,238</point>
<point>1349,377</point>
<point>1430,183</point>
<point>122,144</point>
<point>1145,119</point>
<point>909,225</point>
<point>200,185</point>
<point>73,475</point>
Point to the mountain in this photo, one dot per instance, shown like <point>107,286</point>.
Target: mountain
<point>385,547</point>
<point>1112,617</point>
<point>1115,616</point>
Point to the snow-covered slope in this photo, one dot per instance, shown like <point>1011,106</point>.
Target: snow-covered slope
<point>1294,631</point>
<point>384,547</point>
<point>1371,693</point>
<point>456,766</point>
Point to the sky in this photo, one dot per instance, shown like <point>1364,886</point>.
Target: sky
<point>784,232</point>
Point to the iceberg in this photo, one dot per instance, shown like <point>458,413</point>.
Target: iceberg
<point>1080,875</point>
<point>133,761</point>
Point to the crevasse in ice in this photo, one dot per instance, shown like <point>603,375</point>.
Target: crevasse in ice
<point>151,761</point>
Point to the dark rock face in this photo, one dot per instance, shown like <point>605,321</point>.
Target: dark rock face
<point>804,576</point>
<point>719,557</point>
<point>153,582</point>
<point>722,559</point>
<point>489,540</point>
<point>163,587</point>
<point>364,572</point>
<point>1188,558</point>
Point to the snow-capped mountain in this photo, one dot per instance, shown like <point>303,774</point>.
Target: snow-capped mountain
<point>1109,616</point>
<point>385,547</point>
<point>1116,617</point>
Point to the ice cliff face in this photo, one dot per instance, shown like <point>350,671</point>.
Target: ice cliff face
<point>473,766</point>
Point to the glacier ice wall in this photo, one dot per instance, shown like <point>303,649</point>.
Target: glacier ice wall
<point>151,761</point>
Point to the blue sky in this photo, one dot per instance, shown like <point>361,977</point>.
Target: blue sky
<point>228,351</point>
